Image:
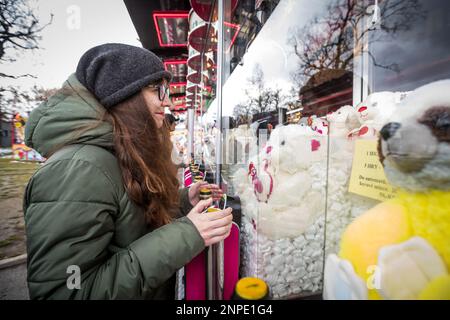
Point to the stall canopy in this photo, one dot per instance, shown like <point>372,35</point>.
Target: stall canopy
<point>162,27</point>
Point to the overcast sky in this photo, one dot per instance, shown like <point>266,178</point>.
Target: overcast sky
<point>271,51</point>
<point>77,26</point>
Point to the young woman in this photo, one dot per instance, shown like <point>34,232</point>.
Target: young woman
<point>105,217</point>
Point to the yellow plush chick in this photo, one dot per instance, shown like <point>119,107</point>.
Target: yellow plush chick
<point>411,214</point>
<point>400,249</point>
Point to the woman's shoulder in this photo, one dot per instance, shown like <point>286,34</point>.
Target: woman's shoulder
<point>77,174</point>
<point>102,162</point>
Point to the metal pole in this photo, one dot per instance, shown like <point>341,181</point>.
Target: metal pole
<point>201,85</point>
<point>191,133</point>
<point>215,252</point>
<point>219,91</point>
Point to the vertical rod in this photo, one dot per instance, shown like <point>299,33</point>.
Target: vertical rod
<point>219,85</point>
<point>201,107</point>
<point>215,265</point>
<point>191,133</point>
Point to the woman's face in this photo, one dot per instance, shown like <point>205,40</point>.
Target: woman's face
<point>155,105</point>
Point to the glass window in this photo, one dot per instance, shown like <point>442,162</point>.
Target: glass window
<point>311,94</point>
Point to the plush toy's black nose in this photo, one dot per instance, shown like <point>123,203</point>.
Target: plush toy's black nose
<point>389,130</point>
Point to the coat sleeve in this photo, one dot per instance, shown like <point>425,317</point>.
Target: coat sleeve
<point>70,212</point>
<point>185,204</point>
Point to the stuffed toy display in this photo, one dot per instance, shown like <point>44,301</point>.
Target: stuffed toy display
<point>283,201</point>
<point>400,249</point>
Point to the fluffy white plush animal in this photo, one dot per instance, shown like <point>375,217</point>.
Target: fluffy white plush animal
<point>342,121</point>
<point>320,126</point>
<point>283,186</point>
<point>295,148</point>
<point>374,112</point>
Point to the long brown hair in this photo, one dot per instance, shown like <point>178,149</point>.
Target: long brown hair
<point>144,154</point>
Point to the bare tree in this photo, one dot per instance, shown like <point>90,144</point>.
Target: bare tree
<point>277,98</point>
<point>260,98</point>
<point>243,112</point>
<point>332,41</point>
<point>19,30</point>
<point>13,100</point>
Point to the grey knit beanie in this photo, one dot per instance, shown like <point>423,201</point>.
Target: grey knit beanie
<point>113,72</point>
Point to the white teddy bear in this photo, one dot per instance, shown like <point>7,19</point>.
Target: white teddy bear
<point>320,126</point>
<point>374,112</point>
<point>342,121</point>
<point>283,189</point>
<point>283,204</point>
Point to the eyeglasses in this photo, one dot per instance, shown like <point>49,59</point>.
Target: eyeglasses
<point>163,90</point>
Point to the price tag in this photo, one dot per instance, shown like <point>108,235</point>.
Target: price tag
<point>368,178</point>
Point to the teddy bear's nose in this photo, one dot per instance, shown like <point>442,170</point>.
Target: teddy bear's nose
<point>389,130</point>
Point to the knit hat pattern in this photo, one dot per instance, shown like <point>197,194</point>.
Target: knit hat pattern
<point>113,72</point>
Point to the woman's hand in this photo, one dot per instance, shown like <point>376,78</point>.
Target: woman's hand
<point>194,191</point>
<point>212,226</point>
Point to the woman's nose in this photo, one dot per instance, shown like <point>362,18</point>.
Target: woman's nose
<point>168,102</point>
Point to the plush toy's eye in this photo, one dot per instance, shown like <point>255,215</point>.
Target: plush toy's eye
<point>283,142</point>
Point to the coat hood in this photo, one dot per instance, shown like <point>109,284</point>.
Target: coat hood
<point>60,121</point>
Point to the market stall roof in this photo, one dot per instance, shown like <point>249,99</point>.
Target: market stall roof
<point>171,28</point>
<point>162,27</point>
<point>141,13</point>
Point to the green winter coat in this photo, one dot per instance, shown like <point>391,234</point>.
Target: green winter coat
<point>77,213</point>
